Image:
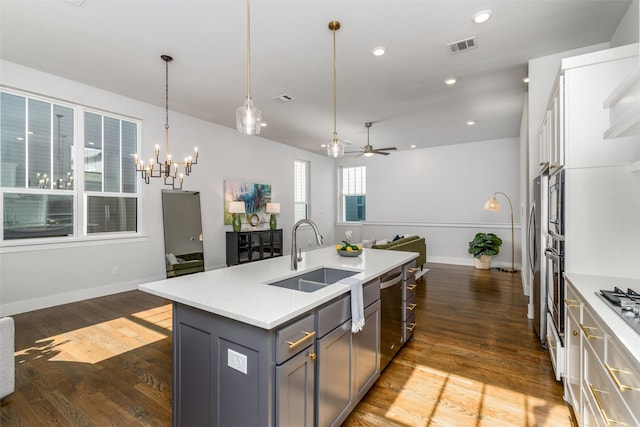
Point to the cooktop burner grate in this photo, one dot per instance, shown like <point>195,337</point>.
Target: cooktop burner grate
<point>625,304</point>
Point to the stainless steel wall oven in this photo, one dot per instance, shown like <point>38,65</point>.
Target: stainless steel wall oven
<point>554,255</point>
<point>556,204</point>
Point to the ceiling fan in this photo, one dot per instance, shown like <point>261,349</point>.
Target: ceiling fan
<point>368,149</point>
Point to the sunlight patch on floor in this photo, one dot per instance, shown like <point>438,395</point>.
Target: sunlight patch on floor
<point>101,341</point>
<point>454,400</point>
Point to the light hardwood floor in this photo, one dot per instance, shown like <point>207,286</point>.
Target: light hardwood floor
<point>475,361</point>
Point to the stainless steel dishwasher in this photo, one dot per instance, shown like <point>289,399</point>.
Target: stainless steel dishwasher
<point>391,319</point>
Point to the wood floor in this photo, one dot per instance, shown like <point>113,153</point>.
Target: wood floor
<point>475,361</point>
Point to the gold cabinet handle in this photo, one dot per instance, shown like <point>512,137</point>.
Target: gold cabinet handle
<point>575,333</point>
<point>306,336</point>
<point>594,392</point>
<point>612,373</point>
<point>411,306</point>
<point>411,327</point>
<point>571,303</point>
<point>312,356</point>
<point>586,332</point>
<point>412,287</point>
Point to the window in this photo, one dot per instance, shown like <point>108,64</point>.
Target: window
<point>42,194</point>
<point>354,193</point>
<point>301,190</point>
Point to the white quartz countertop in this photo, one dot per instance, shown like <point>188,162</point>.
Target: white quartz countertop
<point>241,293</point>
<point>588,285</point>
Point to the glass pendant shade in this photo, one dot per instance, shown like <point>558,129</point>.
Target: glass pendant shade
<point>335,148</point>
<point>248,118</point>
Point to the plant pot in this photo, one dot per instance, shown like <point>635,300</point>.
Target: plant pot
<point>483,263</point>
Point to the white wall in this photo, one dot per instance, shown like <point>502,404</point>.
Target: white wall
<point>440,193</point>
<point>46,275</point>
<point>627,31</point>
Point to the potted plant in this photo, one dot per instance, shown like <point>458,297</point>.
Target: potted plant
<point>483,247</point>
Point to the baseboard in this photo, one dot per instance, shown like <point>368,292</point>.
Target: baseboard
<point>530,308</point>
<point>467,261</point>
<point>24,306</point>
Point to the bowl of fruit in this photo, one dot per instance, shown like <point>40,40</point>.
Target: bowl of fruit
<point>347,249</point>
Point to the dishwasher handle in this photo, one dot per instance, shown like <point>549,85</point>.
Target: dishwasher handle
<point>391,280</point>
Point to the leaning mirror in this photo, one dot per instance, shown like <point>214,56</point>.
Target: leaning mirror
<point>183,247</point>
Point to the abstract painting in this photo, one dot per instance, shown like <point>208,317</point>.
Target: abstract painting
<point>254,196</point>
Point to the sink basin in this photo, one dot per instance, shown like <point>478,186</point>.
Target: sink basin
<point>314,280</point>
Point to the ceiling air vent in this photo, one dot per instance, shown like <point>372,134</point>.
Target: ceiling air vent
<point>462,45</point>
<point>284,98</point>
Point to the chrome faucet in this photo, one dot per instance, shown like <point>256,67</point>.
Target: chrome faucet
<point>295,257</point>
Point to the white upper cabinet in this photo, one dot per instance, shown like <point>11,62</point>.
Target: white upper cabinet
<point>589,80</point>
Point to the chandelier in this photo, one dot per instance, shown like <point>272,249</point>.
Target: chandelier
<point>168,168</point>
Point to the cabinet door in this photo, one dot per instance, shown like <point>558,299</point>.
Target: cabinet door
<point>366,348</point>
<point>334,391</point>
<point>295,381</point>
<point>573,368</point>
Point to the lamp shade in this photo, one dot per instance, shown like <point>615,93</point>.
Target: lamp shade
<point>273,207</point>
<point>492,204</point>
<point>236,207</point>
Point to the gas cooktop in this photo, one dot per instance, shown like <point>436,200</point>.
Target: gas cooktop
<point>625,304</point>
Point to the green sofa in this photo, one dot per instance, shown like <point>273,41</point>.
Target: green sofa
<point>408,244</point>
<point>187,264</point>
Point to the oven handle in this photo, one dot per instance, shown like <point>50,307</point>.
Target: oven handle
<point>551,254</point>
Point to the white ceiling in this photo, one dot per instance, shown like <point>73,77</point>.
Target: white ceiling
<point>116,45</point>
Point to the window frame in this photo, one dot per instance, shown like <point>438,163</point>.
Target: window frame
<point>342,213</point>
<point>307,187</point>
<point>80,195</point>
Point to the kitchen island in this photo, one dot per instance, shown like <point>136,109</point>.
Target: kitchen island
<point>246,352</point>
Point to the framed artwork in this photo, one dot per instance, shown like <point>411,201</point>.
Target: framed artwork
<point>254,196</point>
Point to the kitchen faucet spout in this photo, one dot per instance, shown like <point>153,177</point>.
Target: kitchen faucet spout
<point>294,246</point>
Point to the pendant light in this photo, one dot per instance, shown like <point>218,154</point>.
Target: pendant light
<point>248,118</point>
<point>167,169</point>
<point>335,148</point>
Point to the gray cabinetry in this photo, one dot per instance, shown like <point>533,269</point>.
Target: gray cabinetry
<point>311,371</point>
<point>295,390</point>
<point>334,392</point>
<point>366,351</point>
<point>409,304</point>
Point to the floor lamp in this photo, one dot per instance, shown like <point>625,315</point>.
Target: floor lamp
<point>493,205</point>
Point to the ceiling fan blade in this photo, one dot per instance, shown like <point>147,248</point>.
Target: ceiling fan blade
<point>386,149</point>
<point>380,152</point>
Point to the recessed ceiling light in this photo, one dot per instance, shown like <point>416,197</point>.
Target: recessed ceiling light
<point>264,124</point>
<point>525,79</point>
<point>413,145</point>
<point>378,51</point>
<point>471,123</point>
<point>450,81</point>
<point>20,138</point>
<point>482,16</point>
<point>323,145</point>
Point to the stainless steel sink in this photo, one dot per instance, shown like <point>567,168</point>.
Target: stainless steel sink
<point>314,280</point>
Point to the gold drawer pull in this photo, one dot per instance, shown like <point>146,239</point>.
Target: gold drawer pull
<point>615,379</point>
<point>594,392</point>
<point>306,336</point>
<point>412,287</point>
<point>589,336</point>
<point>411,327</point>
<point>571,303</point>
<point>411,306</point>
<point>312,356</point>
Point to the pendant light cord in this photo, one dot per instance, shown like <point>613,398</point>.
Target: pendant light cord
<point>166,105</point>
<point>335,132</point>
<point>248,49</point>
